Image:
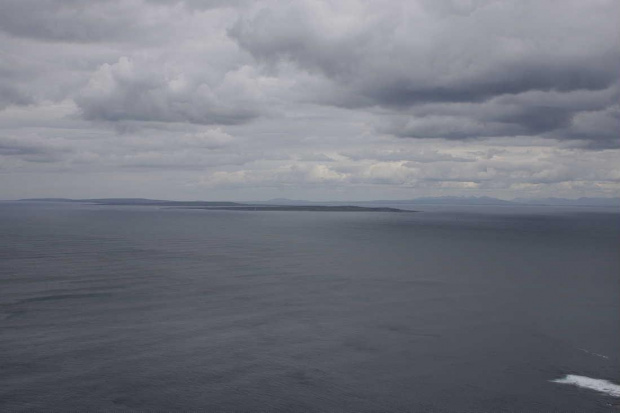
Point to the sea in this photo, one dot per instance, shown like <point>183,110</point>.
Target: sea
<point>469,309</point>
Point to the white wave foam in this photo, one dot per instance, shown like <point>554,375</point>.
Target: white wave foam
<point>594,354</point>
<point>602,386</point>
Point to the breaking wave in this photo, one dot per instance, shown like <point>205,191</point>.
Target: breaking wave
<point>602,386</point>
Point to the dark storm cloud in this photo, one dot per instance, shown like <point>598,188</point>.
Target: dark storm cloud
<point>398,56</point>
<point>599,128</point>
<point>500,81</point>
<point>537,119</point>
<point>520,120</point>
<point>591,116</point>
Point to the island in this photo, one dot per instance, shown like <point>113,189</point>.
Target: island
<point>218,205</point>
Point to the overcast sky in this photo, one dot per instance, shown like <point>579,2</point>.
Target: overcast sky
<point>321,100</point>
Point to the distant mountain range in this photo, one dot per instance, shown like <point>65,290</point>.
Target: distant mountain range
<point>570,202</point>
<point>453,200</point>
<point>442,200</point>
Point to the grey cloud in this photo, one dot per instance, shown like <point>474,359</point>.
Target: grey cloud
<point>309,98</point>
<point>12,74</point>
<point>70,20</point>
<point>537,119</point>
<point>13,147</point>
<point>523,121</point>
<point>32,72</point>
<point>11,94</point>
<point>99,21</point>
<point>552,115</point>
<point>599,128</point>
<point>203,4</point>
<point>485,174</point>
<point>412,156</point>
<point>138,91</point>
<point>316,157</point>
<point>176,160</point>
<point>31,150</point>
<point>501,81</point>
<point>401,55</point>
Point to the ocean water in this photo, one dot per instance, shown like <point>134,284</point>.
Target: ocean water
<point>452,309</point>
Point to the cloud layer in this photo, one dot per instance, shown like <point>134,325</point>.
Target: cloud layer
<point>347,99</point>
<point>454,70</point>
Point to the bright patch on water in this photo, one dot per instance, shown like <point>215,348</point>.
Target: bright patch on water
<point>602,386</point>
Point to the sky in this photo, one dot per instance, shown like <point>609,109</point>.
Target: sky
<point>309,99</point>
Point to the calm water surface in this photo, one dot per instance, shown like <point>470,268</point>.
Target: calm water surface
<point>447,310</point>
